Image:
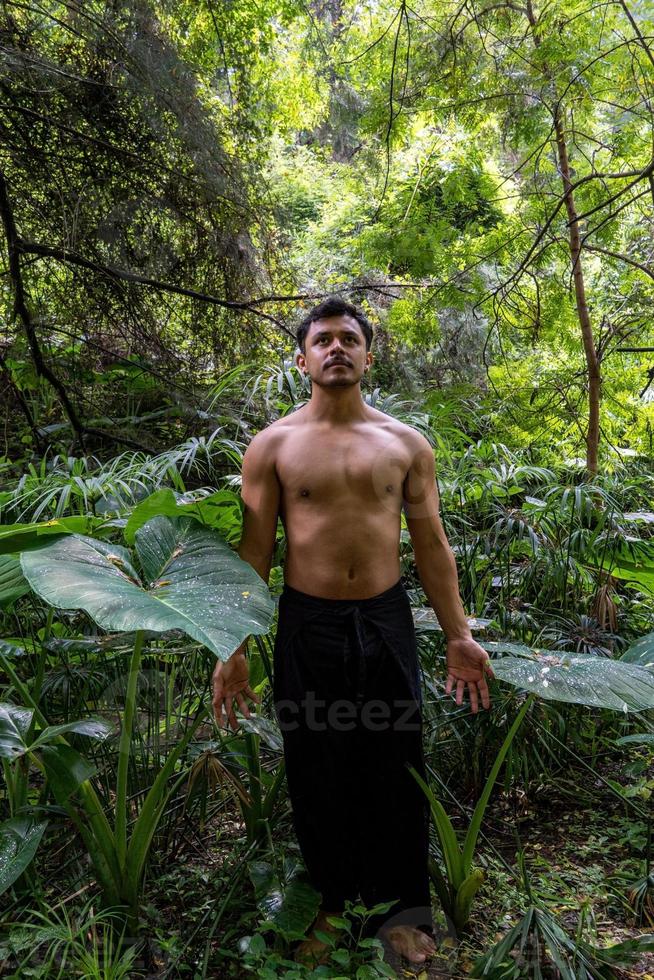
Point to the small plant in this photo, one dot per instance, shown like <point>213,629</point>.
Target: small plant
<point>236,766</point>
<point>459,882</point>
<point>350,954</point>
<point>538,946</point>
<point>639,894</point>
<point>59,944</point>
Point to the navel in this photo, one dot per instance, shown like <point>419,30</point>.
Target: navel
<point>351,573</point>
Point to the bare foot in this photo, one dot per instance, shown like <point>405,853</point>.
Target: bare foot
<point>313,951</point>
<point>415,945</point>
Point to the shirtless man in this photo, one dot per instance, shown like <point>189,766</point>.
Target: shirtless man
<point>339,473</point>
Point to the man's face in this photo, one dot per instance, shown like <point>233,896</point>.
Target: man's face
<point>335,353</point>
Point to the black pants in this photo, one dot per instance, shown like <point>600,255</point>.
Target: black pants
<point>348,702</point>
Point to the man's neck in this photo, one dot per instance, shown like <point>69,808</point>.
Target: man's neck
<point>336,406</point>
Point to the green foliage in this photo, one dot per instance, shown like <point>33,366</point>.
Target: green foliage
<point>189,580</point>
<point>286,899</point>
<point>57,944</point>
<point>428,216</point>
<point>581,679</point>
<point>458,883</point>
<point>76,567</point>
<point>19,841</point>
<point>290,907</point>
<point>415,320</point>
<point>538,944</point>
<point>216,166</point>
<point>237,764</point>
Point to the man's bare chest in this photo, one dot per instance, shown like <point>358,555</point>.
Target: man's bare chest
<point>323,470</point>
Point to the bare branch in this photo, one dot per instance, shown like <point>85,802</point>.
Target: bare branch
<point>622,258</point>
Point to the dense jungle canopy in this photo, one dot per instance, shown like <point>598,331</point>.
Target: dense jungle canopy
<point>179,183</point>
<point>178,179</point>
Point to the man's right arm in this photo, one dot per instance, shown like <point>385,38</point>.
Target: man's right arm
<point>261,494</point>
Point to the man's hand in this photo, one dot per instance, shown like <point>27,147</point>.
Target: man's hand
<point>231,681</point>
<point>468,663</point>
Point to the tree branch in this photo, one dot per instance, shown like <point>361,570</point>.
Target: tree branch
<point>21,310</point>
<point>622,258</point>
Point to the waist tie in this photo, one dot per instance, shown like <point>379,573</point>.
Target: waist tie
<point>379,612</point>
<point>359,655</point>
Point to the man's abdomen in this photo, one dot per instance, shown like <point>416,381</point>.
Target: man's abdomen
<point>347,556</point>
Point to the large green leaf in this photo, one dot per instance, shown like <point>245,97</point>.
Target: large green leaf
<point>15,722</point>
<point>580,678</point>
<point>220,510</point>
<point>290,903</point>
<point>19,840</point>
<point>636,573</point>
<point>91,727</point>
<point>20,537</point>
<point>641,652</point>
<point>194,583</point>
<point>13,583</point>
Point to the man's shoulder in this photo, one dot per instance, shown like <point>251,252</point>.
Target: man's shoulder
<point>270,438</point>
<point>410,437</point>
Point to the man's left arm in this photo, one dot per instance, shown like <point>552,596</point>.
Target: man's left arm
<point>468,664</point>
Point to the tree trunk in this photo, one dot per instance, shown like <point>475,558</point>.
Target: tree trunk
<point>574,241</point>
<point>592,360</point>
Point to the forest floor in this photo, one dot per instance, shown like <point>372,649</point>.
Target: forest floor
<point>583,844</point>
<point>573,852</point>
<point>576,836</point>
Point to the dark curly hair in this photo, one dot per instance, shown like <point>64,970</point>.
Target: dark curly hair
<point>333,306</point>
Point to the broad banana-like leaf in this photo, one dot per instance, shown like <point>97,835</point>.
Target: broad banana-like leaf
<point>580,678</point>
<point>20,537</point>
<point>13,584</point>
<point>15,722</point>
<point>192,581</point>
<point>638,574</point>
<point>290,903</point>
<point>220,510</point>
<point>19,840</point>
<point>641,652</point>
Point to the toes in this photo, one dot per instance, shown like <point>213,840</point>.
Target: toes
<point>413,944</point>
